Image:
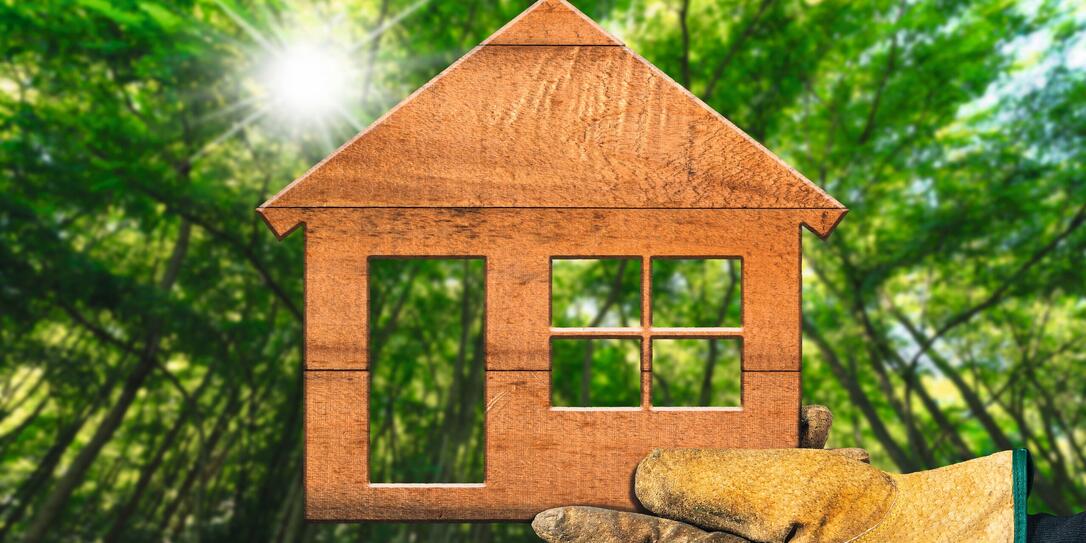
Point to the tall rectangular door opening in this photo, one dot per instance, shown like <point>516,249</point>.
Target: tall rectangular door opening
<point>427,370</point>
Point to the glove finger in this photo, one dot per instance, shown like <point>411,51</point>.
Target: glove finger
<point>854,453</point>
<point>596,525</point>
<point>766,495</point>
<point>814,426</point>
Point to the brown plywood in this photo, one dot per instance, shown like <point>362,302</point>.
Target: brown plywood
<point>537,457</point>
<point>552,22</point>
<point>547,126</point>
<point>518,245</point>
<point>336,304</point>
<point>551,140</point>
<point>336,432</point>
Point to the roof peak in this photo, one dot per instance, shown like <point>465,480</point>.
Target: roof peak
<point>552,22</point>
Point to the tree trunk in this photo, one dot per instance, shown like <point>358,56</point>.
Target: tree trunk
<point>197,469</point>
<point>48,463</point>
<point>124,512</point>
<point>903,460</point>
<point>55,502</point>
<point>41,474</point>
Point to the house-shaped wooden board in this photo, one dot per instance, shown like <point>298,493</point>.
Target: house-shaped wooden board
<point>549,139</point>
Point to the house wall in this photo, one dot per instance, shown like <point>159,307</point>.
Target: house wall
<point>537,456</point>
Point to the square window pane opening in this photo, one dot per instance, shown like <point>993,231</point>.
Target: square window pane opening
<point>696,372</point>
<point>426,344</point>
<point>697,292</point>
<point>595,292</point>
<point>595,372</point>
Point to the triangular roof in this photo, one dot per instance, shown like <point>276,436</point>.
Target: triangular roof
<point>552,111</point>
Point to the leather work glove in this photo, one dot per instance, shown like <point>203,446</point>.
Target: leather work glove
<point>806,496</point>
<point>799,495</point>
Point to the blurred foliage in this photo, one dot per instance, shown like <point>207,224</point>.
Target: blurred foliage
<point>426,370</point>
<point>151,326</point>
<point>696,372</point>
<point>596,372</point>
<point>697,292</point>
<point>595,292</point>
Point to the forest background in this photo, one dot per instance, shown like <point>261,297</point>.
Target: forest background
<point>150,324</point>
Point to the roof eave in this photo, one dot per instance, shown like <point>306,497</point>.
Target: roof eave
<point>281,220</point>
<point>823,221</point>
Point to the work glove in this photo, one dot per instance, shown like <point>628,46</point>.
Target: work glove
<point>805,496</point>
<point>811,496</point>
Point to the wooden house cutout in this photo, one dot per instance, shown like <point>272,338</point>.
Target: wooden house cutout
<point>549,139</point>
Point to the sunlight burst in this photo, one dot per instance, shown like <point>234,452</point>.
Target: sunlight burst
<point>308,80</point>
<point>306,77</point>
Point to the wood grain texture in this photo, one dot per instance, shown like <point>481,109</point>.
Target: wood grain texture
<point>518,245</point>
<point>549,140</point>
<point>537,457</point>
<point>547,126</point>
<point>336,438</point>
<point>552,22</point>
<point>336,304</point>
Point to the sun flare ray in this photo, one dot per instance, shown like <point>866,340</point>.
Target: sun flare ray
<point>305,76</point>
<point>249,29</point>
<point>238,126</point>
<point>388,24</point>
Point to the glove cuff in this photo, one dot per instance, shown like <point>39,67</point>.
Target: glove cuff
<point>1022,477</point>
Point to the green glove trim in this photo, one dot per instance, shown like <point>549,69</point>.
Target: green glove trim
<point>1022,480</point>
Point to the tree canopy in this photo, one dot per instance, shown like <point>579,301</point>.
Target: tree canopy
<point>150,382</point>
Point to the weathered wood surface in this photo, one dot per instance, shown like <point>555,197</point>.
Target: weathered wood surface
<point>537,457</point>
<point>553,126</point>
<point>518,245</point>
<point>549,140</point>
<point>552,22</point>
